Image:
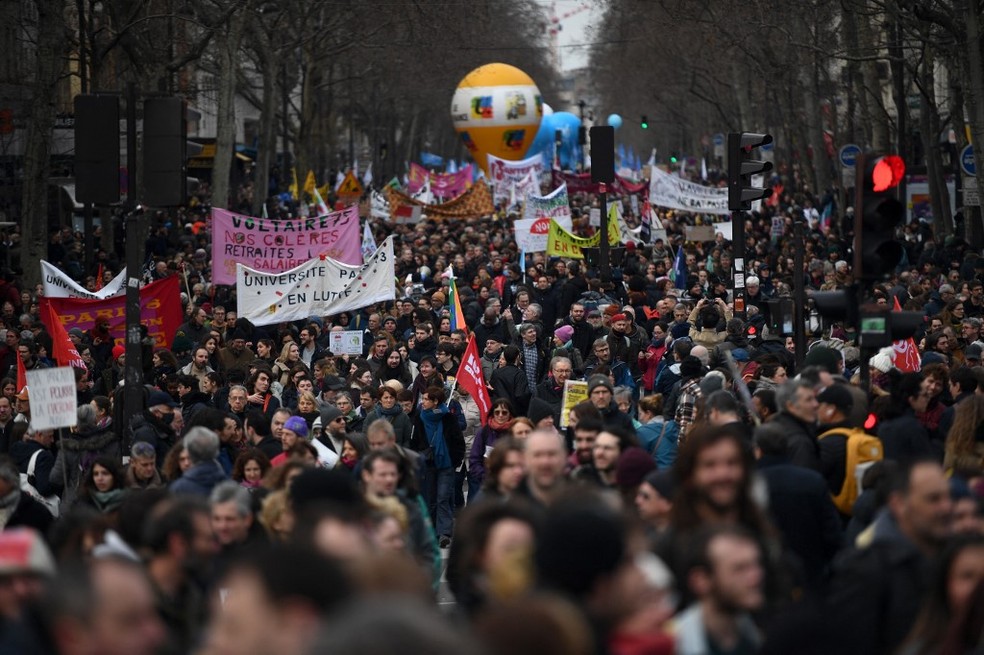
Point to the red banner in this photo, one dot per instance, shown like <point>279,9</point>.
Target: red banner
<point>470,379</point>
<point>443,185</point>
<point>581,183</point>
<point>160,311</point>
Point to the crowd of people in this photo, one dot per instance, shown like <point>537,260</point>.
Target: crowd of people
<point>716,491</point>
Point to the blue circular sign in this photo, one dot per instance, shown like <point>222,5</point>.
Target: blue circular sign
<point>719,139</point>
<point>849,155</point>
<point>967,163</point>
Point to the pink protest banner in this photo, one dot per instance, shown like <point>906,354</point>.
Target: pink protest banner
<point>160,311</point>
<point>443,185</point>
<point>271,246</point>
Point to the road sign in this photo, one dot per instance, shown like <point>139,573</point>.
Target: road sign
<point>848,155</point>
<point>971,197</point>
<point>718,141</point>
<point>967,163</point>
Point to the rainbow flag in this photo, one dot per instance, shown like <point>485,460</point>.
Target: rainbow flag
<point>454,304</point>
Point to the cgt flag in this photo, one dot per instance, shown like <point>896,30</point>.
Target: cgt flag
<point>470,379</point>
<point>62,348</point>
<point>906,352</point>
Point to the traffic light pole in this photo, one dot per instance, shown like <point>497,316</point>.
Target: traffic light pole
<point>799,294</point>
<point>738,272</point>
<point>133,395</point>
<point>604,253</point>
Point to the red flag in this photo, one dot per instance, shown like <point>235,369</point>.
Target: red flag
<point>470,379</point>
<point>21,374</point>
<point>99,278</point>
<point>63,350</point>
<point>906,352</point>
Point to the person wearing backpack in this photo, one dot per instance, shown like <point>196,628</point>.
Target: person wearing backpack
<point>846,452</point>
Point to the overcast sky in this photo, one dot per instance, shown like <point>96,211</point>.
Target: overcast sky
<point>575,29</point>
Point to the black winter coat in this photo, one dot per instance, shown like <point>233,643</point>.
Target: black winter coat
<point>452,436</point>
<point>904,438</point>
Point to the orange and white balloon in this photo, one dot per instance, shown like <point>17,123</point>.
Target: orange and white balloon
<point>497,110</point>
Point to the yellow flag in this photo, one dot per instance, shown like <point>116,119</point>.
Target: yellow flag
<point>310,184</point>
<point>293,187</point>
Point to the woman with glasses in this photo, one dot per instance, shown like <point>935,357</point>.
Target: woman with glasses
<point>499,425</point>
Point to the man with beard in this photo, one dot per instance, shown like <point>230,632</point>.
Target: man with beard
<point>585,433</point>
<point>726,578</point>
<point>310,352</point>
<point>198,366</point>
<point>714,476</point>
<point>178,536</point>
<point>377,355</point>
<point>490,357</point>
<point>192,400</point>
<point>491,327</point>
<point>608,445</point>
<point>236,356</point>
<point>259,433</point>
<point>424,344</point>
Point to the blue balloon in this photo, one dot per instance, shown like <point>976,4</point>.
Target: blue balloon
<point>570,152</point>
<point>615,121</point>
<point>543,142</point>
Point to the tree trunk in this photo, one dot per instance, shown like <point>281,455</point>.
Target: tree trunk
<point>52,42</point>
<point>227,45</point>
<point>268,126</point>
<point>974,92</point>
<point>929,128</point>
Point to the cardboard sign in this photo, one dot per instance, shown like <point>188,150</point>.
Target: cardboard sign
<point>52,393</point>
<point>347,342</point>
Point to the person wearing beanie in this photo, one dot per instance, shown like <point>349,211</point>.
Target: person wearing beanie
<point>295,429</point>
<point>633,465</point>
<point>626,343</point>
<point>826,358</point>
<point>601,394</point>
<point>691,372</point>
<point>541,414</point>
<point>563,346</point>
<point>654,500</point>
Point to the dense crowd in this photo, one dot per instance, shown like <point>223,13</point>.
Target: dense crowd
<point>713,492</point>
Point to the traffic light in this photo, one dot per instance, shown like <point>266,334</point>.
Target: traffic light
<point>644,122</point>
<point>673,158</point>
<point>741,167</point>
<point>881,213</point>
<point>878,326</point>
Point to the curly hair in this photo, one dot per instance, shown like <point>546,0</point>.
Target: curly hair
<point>961,452</point>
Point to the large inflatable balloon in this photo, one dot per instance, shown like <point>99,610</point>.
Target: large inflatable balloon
<point>615,121</point>
<point>543,143</point>
<point>568,124</point>
<point>496,109</point>
<point>547,110</point>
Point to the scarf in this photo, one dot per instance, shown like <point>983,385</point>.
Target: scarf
<point>501,426</point>
<point>107,501</point>
<point>392,411</point>
<point>246,484</point>
<point>433,420</point>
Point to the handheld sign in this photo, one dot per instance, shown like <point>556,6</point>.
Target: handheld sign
<point>52,398</point>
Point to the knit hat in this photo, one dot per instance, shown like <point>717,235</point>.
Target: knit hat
<point>564,333</point>
<point>884,361</point>
<point>297,425</point>
<point>973,351</point>
<point>539,410</point>
<point>438,296</point>
<point>596,381</point>
<point>838,396</point>
<point>740,355</point>
<point>932,358</point>
<point>76,332</point>
<point>824,357</point>
<point>332,383</point>
<point>329,414</point>
<point>663,482</point>
<point>118,351</point>
<point>680,330</point>
<point>611,310</point>
<point>690,367</point>
<point>618,317</point>
<point>22,550</point>
<point>712,382</point>
<point>632,467</point>
<point>182,344</point>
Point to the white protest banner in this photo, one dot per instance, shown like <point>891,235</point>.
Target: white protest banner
<point>345,342</point>
<point>555,204</point>
<point>319,287</point>
<point>275,246</point>
<point>672,192</point>
<point>524,188</point>
<point>531,234</point>
<point>59,285</point>
<point>52,393</point>
<point>724,229</point>
<point>575,391</point>
<point>504,173</point>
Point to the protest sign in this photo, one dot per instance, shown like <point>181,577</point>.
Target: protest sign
<point>476,202</point>
<point>273,245</point>
<point>503,174</point>
<point>575,391</point>
<point>442,185</point>
<point>531,234</point>
<point>318,287</point>
<point>52,393</point>
<point>345,342</point>
<point>561,243</point>
<point>555,204</point>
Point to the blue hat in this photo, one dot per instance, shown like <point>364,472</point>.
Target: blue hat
<point>740,355</point>
<point>297,425</point>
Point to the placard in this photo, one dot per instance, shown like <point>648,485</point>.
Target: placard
<point>575,391</point>
<point>52,398</point>
<point>346,342</point>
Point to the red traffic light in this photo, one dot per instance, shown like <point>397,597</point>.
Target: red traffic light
<point>887,172</point>
<point>870,422</point>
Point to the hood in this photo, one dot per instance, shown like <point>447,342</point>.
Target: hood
<point>206,473</point>
<point>94,440</point>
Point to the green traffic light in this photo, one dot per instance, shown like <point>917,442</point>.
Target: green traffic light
<point>644,122</point>
<point>673,160</point>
